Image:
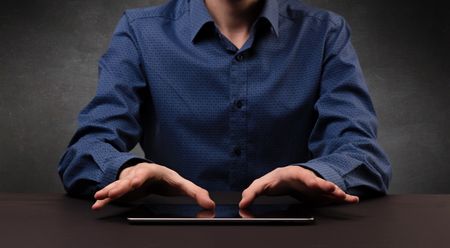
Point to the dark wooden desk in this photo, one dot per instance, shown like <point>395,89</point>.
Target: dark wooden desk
<point>53,220</point>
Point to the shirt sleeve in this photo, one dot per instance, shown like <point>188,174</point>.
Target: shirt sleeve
<point>111,124</point>
<point>343,140</point>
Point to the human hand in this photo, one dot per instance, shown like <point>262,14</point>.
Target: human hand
<point>145,178</point>
<point>298,182</point>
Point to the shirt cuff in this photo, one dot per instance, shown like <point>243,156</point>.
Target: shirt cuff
<point>326,171</point>
<point>114,166</point>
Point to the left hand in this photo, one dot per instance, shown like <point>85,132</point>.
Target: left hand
<point>296,181</point>
<point>145,178</point>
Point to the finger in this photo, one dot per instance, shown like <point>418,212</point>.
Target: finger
<point>305,181</point>
<point>121,188</point>
<point>103,193</point>
<point>351,199</point>
<point>107,194</point>
<point>140,175</point>
<point>312,187</point>
<point>318,188</point>
<point>138,180</point>
<point>199,194</point>
<point>324,185</point>
<point>340,196</point>
<point>100,203</point>
<point>133,180</point>
<point>347,199</point>
<point>249,194</point>
<point>320,185</point>
<point>334,191</point>
<point>337,193</point>
<point>203,199</point>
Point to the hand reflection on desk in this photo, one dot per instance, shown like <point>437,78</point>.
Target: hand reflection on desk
<point>221,211</point>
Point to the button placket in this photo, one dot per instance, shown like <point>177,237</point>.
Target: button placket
<point>238,122</point>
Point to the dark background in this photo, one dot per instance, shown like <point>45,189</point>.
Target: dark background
<point>48,71</point>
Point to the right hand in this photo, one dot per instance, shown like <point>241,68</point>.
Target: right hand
<point>298,182</point>
<point>145,178</point>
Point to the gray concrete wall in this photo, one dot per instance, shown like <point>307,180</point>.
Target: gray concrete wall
<point>48,72</point>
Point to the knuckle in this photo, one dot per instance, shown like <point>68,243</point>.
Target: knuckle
<point>195,193</point>
<point>257,181</point>
<point>176,183</point>
<point>131,184</point>
<point>169,174</point>
<point>247,192</point>
<point>204,192</point>
<point>140,170</point>
<point>244,193</point>
<point>173,173</point>
<point>267,187</point>
<point>137,178</point>
<point>311,183</point>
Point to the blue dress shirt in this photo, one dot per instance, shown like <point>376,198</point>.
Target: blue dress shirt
<point>220,116</point>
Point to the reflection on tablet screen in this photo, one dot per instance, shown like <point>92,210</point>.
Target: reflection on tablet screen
<point>226,212</point>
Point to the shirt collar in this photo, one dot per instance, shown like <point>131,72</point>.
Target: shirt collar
<point>199,15</point>
<point>270,11</point>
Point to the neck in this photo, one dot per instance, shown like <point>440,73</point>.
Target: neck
<point>234,18</point>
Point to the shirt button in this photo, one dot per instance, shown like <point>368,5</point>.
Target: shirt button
<point>240,57</point>
<point>238,104</point>
<point>237,151</point>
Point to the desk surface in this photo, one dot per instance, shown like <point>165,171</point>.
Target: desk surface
<point>54,220</point>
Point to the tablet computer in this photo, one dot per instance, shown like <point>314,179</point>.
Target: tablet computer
<point>289,214</point>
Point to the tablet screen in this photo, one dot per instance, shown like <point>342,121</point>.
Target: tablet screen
<point>222,214</point>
